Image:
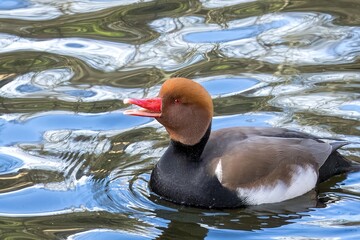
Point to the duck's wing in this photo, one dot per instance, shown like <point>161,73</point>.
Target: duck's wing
<point>270,169</point>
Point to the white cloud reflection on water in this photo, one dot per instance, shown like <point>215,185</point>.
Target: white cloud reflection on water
<point>102,55</point>
<point>222,3</point>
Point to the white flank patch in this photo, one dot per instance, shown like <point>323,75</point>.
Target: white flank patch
<point>218,171</point>
<point>304,179</point>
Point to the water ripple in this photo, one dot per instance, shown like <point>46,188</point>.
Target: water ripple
<point>46,9</point>
<point>309,38</point>
<point>57,196</point>
<point>31,161</point>
<point>103,55</point>
<point>81,141</point>
<point>230,85</point>
<point>72,166</point>
<point>292,37</point>
<point>56,84</point>
<point>9,164</point>
<point>108,234</point>
<point>271,38</point>
<point>326,104</point>
<point>31,128</point>
<point>37,11</point>
<point>223,3</point>
<point>233,34</point>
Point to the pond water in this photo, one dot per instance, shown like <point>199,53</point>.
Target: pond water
<point>72,166</point>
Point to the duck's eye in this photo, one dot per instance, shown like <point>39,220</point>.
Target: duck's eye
<point>177,101</point>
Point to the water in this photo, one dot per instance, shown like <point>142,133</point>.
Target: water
<point>72,166</point>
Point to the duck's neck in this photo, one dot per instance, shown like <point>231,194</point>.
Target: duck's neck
<point>191,152</point>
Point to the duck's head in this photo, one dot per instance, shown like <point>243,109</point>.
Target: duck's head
<point>183,107</point>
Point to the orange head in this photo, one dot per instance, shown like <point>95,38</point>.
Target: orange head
<point>183,107</point>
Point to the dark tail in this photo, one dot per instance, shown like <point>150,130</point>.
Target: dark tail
<point>334,165</point>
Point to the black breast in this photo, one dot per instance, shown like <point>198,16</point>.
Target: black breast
<point>182,177</point>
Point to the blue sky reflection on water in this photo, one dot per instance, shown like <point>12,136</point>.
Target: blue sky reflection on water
<point>232,34</point>
<point>9,164</point>
<point>31,130</point>
<point>13,4</point>
<point>225,85</point>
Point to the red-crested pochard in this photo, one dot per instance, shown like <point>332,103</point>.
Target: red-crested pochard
<point>231,167</point>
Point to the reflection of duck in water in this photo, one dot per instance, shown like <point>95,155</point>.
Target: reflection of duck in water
<point>232,167</point>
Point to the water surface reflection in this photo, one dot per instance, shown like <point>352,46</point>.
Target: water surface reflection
<point>72,166</point>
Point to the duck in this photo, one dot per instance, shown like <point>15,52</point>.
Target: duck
<point>235,166</point>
